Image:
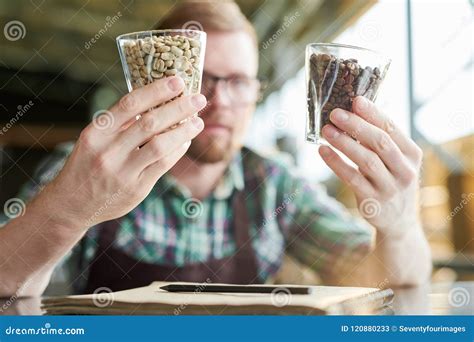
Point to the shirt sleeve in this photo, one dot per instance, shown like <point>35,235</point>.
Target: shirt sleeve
<point>65,271</point>
<point>44,173</point>
<point>319,231</point>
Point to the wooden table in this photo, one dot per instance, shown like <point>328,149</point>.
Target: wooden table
<point>431,299</point>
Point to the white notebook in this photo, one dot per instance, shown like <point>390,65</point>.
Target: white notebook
<point>151,300</point>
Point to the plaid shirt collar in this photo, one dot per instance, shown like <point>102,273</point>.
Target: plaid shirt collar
<point>233,179</point>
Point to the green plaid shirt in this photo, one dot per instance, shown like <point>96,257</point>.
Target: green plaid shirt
<point>169,227</point>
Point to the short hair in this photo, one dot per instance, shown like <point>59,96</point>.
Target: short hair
<point>208,15</point>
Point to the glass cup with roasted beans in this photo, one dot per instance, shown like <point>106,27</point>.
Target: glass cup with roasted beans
<point>335,75</point>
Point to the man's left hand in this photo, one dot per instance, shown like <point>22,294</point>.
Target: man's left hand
<point>386,180</point>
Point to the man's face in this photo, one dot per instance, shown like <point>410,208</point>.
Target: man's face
<point>226,117</point>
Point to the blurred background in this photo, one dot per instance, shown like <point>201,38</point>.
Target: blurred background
<point>59,64</point>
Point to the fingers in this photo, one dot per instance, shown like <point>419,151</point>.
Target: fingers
<point>144,98</point>
<point>162,145</point>
<point>369,112</point>
<point>346,173</point>
<point>373,138</point>
<point>370,165</point>
<point>154,171</point>
<point>160,119</point>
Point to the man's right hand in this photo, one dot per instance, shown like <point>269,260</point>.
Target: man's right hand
<point>113,167</point>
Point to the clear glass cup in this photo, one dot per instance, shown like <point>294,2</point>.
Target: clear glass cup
<point>151,55</point>
<point>335,75</point>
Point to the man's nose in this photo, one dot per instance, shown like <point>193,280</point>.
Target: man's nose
<point>221,96</point>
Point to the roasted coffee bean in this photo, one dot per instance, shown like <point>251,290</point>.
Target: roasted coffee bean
<point>334,82</point>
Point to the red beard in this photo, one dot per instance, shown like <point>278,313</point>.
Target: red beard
<point>210,150</point>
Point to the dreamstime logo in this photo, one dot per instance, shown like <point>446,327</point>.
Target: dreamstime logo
<point>369,32</point>
<point>460,119</point>
<point>179,309</point>
<point>283,205</point>
<point>103,119</point>
<point>21,110</point>
<point>287,22</point>
<point>10,301</point>
<point>280,297</point>
<point>103,296</point>
<point>383,284</point>
<point>14,207</point>
<point>466,198</point>
<point>370,208</point>
<point>109,22</point>
<point>190,26</point>
<point>458,297</point>
<point>280,120</point>
<point>421,173</point>
<point>192,208</point>
<point>103,208</point>
<point>14,30</point>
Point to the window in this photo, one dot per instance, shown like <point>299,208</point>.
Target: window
<point>442,77</point>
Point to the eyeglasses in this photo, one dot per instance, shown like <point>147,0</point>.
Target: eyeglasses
<point>240,89</point>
